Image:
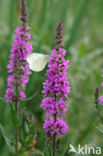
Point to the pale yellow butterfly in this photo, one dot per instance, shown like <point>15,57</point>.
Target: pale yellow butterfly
<point>37,61</point>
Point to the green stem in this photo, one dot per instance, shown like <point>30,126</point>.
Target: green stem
<point>54,137</point>
<point>17,128</point>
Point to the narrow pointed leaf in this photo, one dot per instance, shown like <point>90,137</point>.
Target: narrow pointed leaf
<point>7,140</point>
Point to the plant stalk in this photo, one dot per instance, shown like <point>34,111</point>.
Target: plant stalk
<point>17,128</point>
<point>54,137</point>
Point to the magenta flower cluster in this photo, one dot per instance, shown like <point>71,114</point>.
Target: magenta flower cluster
<point>57,127</point>
<point>18,67</point>
<point>101,97</point>
<point>56,90</point>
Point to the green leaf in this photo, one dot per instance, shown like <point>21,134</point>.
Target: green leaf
<point>1,98</point>
<point>66,153</point>
<point>38,152</point>
<point>26,125</point>
<point>43,13</point>
<point>7,140</point>
<point>65,9</point>
<point>32,154</point>
<point>92,55</point>
<point>99,129</point>
<point>45,154</point>
<point>77,23</point>
<point>82,50</point>
<point>29,139</point>
<point>14,116</point>
<point>31,97</point>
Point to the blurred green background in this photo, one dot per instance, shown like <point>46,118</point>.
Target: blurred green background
<point>83,36</point>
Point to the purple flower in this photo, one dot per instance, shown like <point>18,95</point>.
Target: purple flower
<point>58,127</point>
<point>57,76</point>
<point>18,67</point>
<point>102,84</point>
<point>51,107</point>
<point>56,89</point>
<point>9,94</point>
<point>101,100</point>
<point>101,97</point>
<point>21,95</point>
<point>10,80</point>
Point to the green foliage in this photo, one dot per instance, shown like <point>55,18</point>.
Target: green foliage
<point>45,154</point>
<point>14,116</point>
<point>97,128</point>
<point>77,25</point>
<point>7,140</point>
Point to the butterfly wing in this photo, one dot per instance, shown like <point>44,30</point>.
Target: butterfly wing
<point>37,61</point>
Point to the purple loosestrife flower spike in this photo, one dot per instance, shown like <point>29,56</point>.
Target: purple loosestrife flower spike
<point>96,96</point>
<point>59,43</point>
<point>98,101</point>
<point>56,89</point>
<point>24,14</point>
<point>101,97</point>
<point>18,67</point>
